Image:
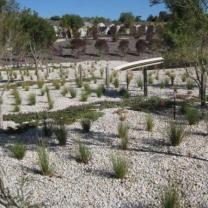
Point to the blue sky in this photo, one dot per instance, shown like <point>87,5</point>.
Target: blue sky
<point>87,8</point>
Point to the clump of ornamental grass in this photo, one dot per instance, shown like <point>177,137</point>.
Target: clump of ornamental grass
<point>84,96</point>
<point>18,150</point>
<point>79,82</point>
<point>31,99</point>
<point>149,123</point>
<point>139,82</point>
<point>64,91</point>
<point>120,166</point>
<point>150,80</point>
<point>123,133</point>
<point>40,84</point>
<point>129,77</point>
<point>189,84</point>
<point>72,92</point>
<point>44,162</point>
<point>100,90</point>
<point>176,132</point>
<point>116,83</point>
<point>16,108</point>
<point>192,115</point>
<point>84,154</point>
<point>26,86</point>
<point>50,101</point>
<point>86,125</point>
<point>171,197</point>
<point>56,84</point>
<point>61,134</point>
<point>87,88</point>
<point>17,97</point>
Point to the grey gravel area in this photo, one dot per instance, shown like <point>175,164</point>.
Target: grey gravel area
<point>152,163</point>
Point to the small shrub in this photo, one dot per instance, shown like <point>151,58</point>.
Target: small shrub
<point>17,97</point>
<point>40,84</point>
<point>124,93</point>
<point>162,84</point>
<point>84,96</point>
<point>189,84</point>
<point>87,88</point>
<point>116,83</point>
<point>171,197</point>
<point>99,90</point>
<point>73,92</point>
<point>56,84</point>
<point>32,99</point>
<point>64,91</point>
<point>50,101</point>
<point>150,80</point>
<point>16,108</point>
<point>192,115</point>
<point>140,83</point>
<point>86,125</point>
<point>61,134</point>
<point>43,161</point>
<point>176,133</point>
<point>123,130</point>
<point>84,154</point>
<point>18,150</point>
<point>78,82</point>
<point>149,123</point>
<point>120,166</point>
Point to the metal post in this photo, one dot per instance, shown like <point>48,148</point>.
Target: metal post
<point>145,82</point>
<point>107,77</point>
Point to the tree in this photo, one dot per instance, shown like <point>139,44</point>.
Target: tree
<point>79,46</point>
<point>127,18</point>
<point>71,22</point>
<point>187,38</point>
<point>123,47</point>
<point>41,35</point>
<point>141,45</point>
<point>102,46</point>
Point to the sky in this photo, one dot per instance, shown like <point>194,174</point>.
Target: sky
<point>88,8</point>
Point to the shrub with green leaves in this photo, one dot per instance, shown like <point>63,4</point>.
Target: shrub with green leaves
<point>120,166</point>
<point>18,150</point>
<point>43,161</point>
<point>149,123</point>
<point>192,115</point>
<point>86,125</point>
<point>56,84</point>
<point>175,132</point>
<point>78,82</point>
<point>171,197</point>
<point>31,99</point>
<point>26,86</point>
<point>50,101</point>
<point>124,93</point>
<point>72,92</point>
<point>16,108</point>
<point>87,88</point>
<point>123,130</point>
<point>64,91</point>
<point>150,80</point>
<point>17,97</point>
<point>84,154</point>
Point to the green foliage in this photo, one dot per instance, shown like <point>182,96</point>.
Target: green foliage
<point>61,134</point>
<point>72,92</point>
<point>43,161</point>
<point>87,88</point>
<point>64,91</point>
<point>86,125</point>
<point>190,84</point>
<point>192,115</point>
<point>78,82</point>
<point>31,99</point>
<point>150,80</point>
<point>149,123</point>
<point>17,97</point>
<point>56,84</point>
<point>50,101</point>
<point>18,150</point>
<point>123,133</point>
<point>40,84</point>
<point>116,83</point>
<point>71,21</point>
<point>139,83</point>
<point>16,108</point>
<point>84,96</point>
<point>84,153</point>
<point>171,197</point>
<point>120,166</point>
<point>176,133</point>
<point>100,90</point>
<point>124,93</point>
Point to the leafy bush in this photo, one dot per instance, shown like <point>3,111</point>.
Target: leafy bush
<point>32,99</point>
<point>192,115</point>
<point>78,82</point>
<point>120,166</point>
<point>18,150</point>
<point>149,123</point>
<point>72,92</point>
<point>116,83</point>
<point>87,88</point>
<point>150,80</point>
<point>86,125</point>
<point>56,84</point>
<point>64,91</point>
<point>140,83</point>
<point>176,133</point>
<point>43,161</point>
<point>124,93</point>
<point>123,133</point>
<point>61,134</point>
<point>84,153</point>
<point>17,97</point>
<point>16,108</point>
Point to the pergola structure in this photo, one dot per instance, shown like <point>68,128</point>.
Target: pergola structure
<point>143,65</point>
